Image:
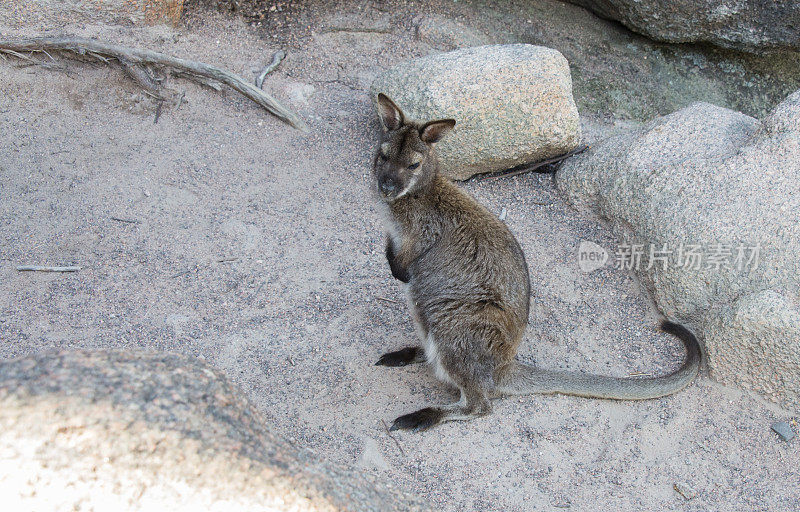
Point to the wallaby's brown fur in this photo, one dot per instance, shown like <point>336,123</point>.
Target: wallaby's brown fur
<point>468,287</point>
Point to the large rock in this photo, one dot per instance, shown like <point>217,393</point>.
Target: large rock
<point>751,25</point>
<point>115,430</point>
<point>729,184</point>
<point>512,104</point>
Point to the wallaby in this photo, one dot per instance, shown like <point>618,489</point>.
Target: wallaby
<point>468,288</point>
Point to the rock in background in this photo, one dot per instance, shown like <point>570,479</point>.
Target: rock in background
<point>61,12</point>
<point>727,184</point>
<point>512,104</point>
<point>750,25</point>
<point>117,430</point>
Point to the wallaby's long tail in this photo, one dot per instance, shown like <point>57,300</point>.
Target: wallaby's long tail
<point>525,379</point>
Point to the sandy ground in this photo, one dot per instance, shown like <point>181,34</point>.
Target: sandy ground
<point>304,304</point>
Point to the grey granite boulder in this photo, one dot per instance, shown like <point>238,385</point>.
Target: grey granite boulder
<point>115,430</point>
<point>751,25</point>
<point>716,195</point>
<point>512,104</point>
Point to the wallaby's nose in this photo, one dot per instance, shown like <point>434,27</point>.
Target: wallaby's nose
<point>388,188</point>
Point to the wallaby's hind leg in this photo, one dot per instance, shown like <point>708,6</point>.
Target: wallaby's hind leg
<point>472,376</point>
<point>473,403</point>
<point>402,357</point>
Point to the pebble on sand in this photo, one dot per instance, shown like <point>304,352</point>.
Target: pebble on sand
<point>783,429</point>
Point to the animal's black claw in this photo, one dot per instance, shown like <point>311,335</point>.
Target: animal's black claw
<point>402,357</point>
<point>418,421</point>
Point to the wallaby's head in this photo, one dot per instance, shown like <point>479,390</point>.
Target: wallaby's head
<point>406,161</point>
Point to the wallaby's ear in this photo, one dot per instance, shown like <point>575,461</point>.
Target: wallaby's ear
<point>390,114</point>
<point>433,131</point>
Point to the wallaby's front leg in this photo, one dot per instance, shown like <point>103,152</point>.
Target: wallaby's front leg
<point>402,357</point>
<point>399,271</point>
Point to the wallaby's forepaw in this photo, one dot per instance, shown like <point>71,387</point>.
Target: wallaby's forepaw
<point>398,272</point>
<point>418,421</point>
<point>403,357</point>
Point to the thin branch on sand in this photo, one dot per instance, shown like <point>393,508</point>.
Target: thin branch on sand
<point>127,221</point>
<point>276,59</point>
<point>41,268</point>
<point>253,296</point>
<point>389,432</point>
<point>136,63</point>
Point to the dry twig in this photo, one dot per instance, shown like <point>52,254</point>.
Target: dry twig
<point>357,30</point>
<point>40,268</point>
<point>389,432</point>
<point>253,296</point>
<point>158,112</point>
<point>127,221</point>
<point>136,61</point>
<point>276,59</point>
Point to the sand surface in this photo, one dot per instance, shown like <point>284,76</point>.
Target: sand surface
<point>260,249</point>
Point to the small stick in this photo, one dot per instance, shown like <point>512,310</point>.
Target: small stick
<point>128,221</point>
<point>357,30</point>
<point>537,165</point>
<point>98,57</point>
<point>226,260</point>
<point>250,299</point>
<point>389,432</point>
<point>388,300</point>
<point>39,268</point>
<point>179,274</point>
<point>158,112</point>
<point>19,55</point>
<point>276,59</point>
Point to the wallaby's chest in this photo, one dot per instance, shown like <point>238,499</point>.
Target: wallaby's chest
<point>393,226</point>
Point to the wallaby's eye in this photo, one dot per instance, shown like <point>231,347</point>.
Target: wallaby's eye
<point>382,157</point>
<point>413,166</point>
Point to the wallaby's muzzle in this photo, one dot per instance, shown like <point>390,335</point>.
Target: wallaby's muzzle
<point>388,188</point>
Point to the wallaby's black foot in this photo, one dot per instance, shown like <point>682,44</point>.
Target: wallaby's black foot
<point>418,421</point>
<point>403,357</point>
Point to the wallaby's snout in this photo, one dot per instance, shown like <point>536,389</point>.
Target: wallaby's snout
<point>392,179</point>
<point>388,187</point>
